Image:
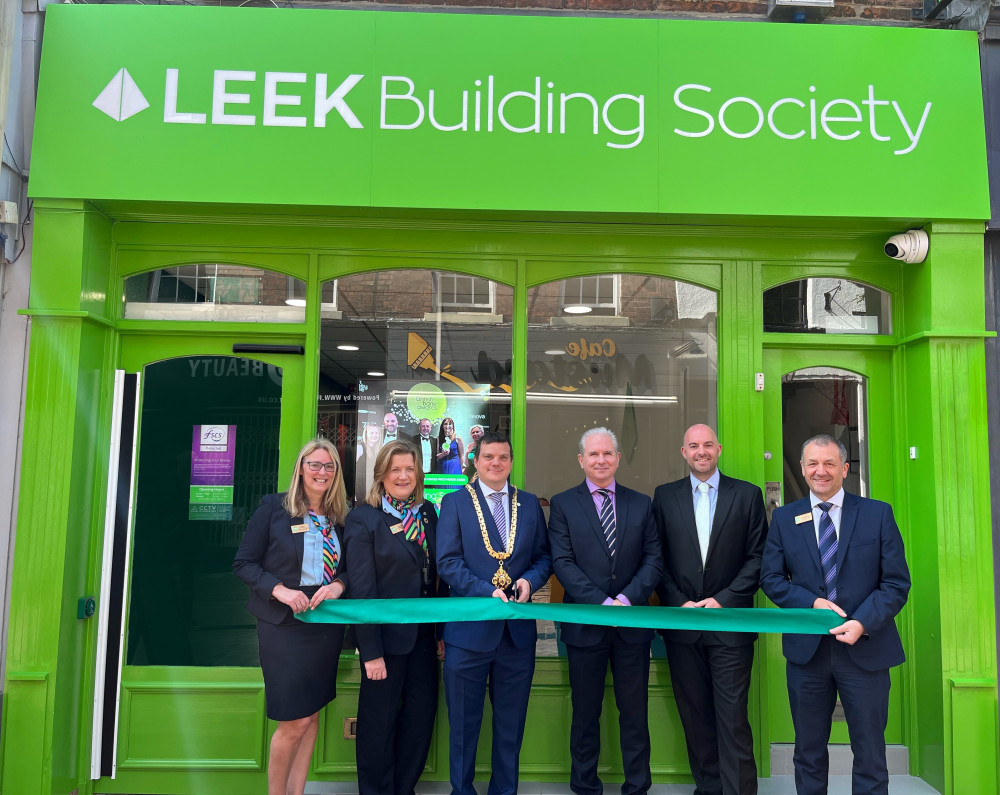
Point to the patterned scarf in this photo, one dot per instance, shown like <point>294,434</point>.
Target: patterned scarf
<point>413,526</point>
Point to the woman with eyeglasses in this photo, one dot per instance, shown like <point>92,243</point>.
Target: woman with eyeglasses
<point>292,557</point>
<point>390,540</point>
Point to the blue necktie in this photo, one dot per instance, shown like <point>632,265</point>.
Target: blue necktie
<point>828,550</point>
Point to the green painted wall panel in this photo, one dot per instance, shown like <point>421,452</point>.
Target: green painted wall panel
<point>24,725</point>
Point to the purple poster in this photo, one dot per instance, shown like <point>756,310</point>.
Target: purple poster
<point>213,465</point>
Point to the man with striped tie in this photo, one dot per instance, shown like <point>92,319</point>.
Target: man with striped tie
<point>605,551</point>
<point>837,551</point>
<point>491,542</point>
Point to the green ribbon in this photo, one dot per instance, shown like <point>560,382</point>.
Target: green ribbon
<point>434,611</point>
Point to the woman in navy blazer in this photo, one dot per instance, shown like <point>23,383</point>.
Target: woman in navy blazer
<point>292,557</point>
<point>391,542</point>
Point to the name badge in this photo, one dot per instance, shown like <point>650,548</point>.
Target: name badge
<point>397,528</point>
<point>802,518</point>
<point>300,528</point>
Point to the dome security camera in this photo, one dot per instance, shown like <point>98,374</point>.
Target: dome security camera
<point>910,246</point>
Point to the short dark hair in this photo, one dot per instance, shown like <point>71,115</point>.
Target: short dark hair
<point>824,440</point>
<point>493,437</point>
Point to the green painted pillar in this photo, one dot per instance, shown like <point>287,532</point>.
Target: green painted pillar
<point>950,677</point>
<point>49,670</point>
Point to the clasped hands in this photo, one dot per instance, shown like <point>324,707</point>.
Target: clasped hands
<point>299,602</point>
<point>523,592</point>
<point>850,632</point>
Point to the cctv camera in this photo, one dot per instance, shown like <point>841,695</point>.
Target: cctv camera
<point>908,246</point>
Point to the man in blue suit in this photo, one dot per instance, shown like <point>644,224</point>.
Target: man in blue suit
<point>491,538</point>
<point>837,551</point>
<point>605,551</point>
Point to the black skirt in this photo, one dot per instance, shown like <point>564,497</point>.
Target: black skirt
<point>299,662</point>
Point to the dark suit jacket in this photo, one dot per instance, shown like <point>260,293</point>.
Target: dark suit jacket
<point>584,566</point>
<point>731,570</point>
<point>271,553</point>
<point>872,577</point>
<point>465,565</point>
<point>387,566</point>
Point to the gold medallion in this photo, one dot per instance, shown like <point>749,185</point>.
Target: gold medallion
<point>501,579</point>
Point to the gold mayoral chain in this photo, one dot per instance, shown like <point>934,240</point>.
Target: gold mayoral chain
<point>501,579</point>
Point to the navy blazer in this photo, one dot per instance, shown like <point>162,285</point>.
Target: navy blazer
<point>387,566</point>
<point>271,553</point>
<point>731,572</point>
<point>872,577</point>
<point>584,566</point>
<point>467,567</point>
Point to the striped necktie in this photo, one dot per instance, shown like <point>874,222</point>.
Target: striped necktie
<point>500,516</point>
<point>828,550</point>
<point>608,519</point>
<point>330,556</point>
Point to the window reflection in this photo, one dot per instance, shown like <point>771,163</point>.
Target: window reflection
<point>215,291</point>
<point>647,372</point>
<point>827,306</point>
<point>398,347</point>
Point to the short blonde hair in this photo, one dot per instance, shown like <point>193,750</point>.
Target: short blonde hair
<point>383,463</point>
<point>334,505</point>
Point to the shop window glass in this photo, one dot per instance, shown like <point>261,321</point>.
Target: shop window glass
<point>646,373</point>
<point>593,295</point>
<point>459,293</point>
<point>195,492</point>
<point>215,291</point>
<point>394,351</point>
<point>827,306</point>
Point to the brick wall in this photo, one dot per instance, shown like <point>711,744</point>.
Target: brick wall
<point>894,12</point>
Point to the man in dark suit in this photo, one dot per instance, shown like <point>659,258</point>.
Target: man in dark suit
<point>605,551</point>
<point>712,531</point>
<point>489,533</point>
<point>426,445</point>
<point>390,428</point>
<point>837,551</point>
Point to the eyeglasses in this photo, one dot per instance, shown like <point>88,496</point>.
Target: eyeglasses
<point>316,466</point>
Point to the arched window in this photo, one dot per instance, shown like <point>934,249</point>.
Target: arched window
<point>631,352</point>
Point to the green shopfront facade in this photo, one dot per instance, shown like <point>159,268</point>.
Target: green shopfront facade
<point>282,222</point>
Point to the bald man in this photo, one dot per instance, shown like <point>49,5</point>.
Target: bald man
<point>712,530</point>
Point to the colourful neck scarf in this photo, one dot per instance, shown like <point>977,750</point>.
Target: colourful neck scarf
<point>330,557</point>
<point>413,526</point>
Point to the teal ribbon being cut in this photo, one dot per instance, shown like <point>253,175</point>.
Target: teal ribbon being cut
<point>434,611</point>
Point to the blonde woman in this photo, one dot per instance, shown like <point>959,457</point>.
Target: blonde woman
<point>292,557</point>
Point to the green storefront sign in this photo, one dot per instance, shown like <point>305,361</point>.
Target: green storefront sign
<point>509,113</point>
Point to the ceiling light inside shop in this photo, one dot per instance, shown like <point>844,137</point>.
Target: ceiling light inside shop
<point>555,352</point>
<point>348,348</point>
<point>295,301</point>
<point>577,309</point>
<point>375,373</point>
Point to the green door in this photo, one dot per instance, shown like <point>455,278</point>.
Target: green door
<point>847,394</point>
<point>217,431</point>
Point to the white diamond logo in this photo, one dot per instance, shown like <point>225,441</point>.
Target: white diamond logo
<point>121,98</point>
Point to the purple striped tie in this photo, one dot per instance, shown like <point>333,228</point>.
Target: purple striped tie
<point>500,516</point>
<point>828,550</point>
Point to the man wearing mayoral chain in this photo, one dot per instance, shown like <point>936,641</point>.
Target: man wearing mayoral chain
<point>492,542</point>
